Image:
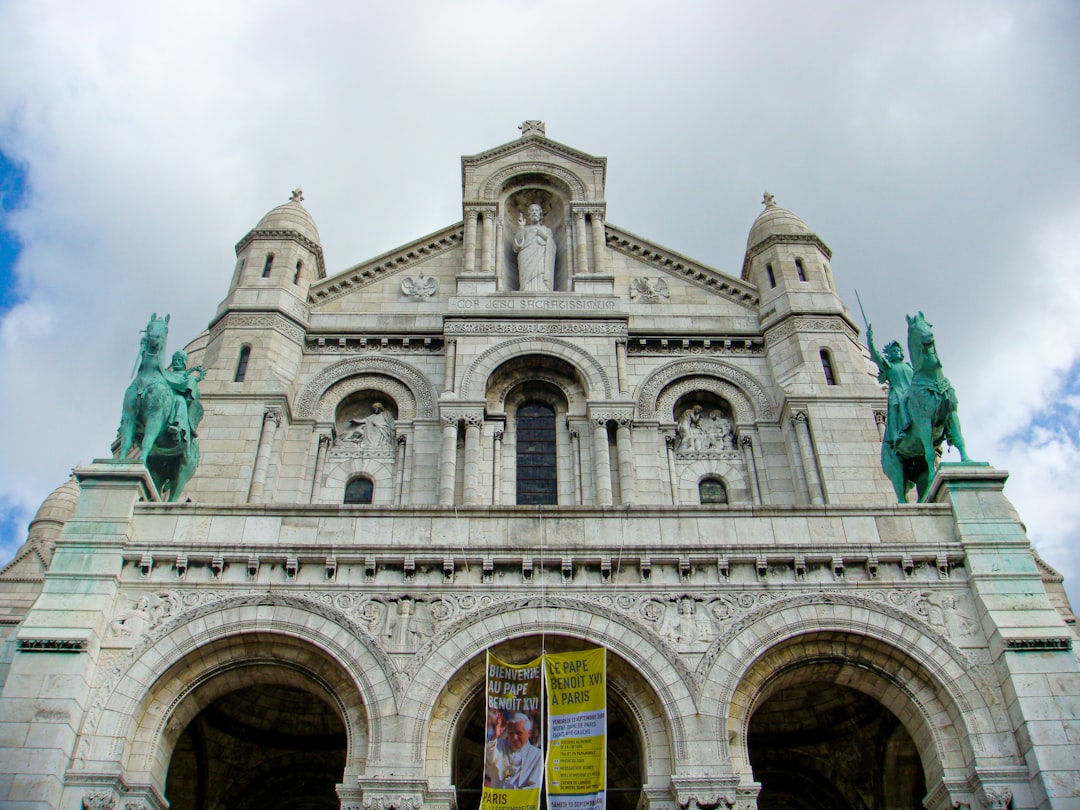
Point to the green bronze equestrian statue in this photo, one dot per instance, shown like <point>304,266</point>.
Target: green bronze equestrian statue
<point>922,410</point>
<point>161,412</point>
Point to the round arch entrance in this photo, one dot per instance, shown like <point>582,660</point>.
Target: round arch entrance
<point>626,762</point>
<point>816,742</point>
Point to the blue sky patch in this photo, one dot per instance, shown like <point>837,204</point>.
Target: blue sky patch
<point>12,197</point>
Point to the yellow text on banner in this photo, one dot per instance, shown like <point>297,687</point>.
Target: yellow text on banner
<point>577,729</point>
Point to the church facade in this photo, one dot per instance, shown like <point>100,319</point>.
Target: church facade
<point>533,430</point>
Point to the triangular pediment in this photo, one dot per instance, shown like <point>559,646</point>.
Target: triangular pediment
<point>681,267</point>
<point>387,264</point>
<point>534,147</point>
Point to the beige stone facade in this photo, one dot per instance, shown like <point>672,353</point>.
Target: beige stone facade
<point>414,460</point>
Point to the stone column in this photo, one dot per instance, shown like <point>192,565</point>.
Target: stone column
<point>602,462</point>
<point>496,467</point>
<point>470,241</point>
<point>448,461</point>
<point>751,468</point>
<point>271,421</point>
<point>762,470</point>
<point>626,463</point>
<point>575,460</point>
<point>809,460</point>
<point>472,459</point>
<point>620,364</point>
<point>400,471</point>
<point>488,240</point>
<point>498,253</point>
<point>322,447</point>
<point>450,350</point>
<point>564,456</point>
<point>599,246</point>
<point>581,244</point>
<point>673,479</point>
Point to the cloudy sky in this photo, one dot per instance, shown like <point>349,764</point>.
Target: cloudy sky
<point>933,146</point>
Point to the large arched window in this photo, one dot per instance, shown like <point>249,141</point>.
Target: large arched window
<point>712,490</point>
<point>536,458</point>
<point>359,490</point>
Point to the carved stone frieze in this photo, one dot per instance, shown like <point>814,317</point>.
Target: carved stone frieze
<point>616,328</point>
<point>790,326</point>
<point>99,800</point>
<point>694,345</point>
<point>380,344</point>
<point>278,323</point>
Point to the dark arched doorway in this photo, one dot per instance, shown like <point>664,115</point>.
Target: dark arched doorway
<point>262,747</point>
<point>625,761</point>
<point>817,744</point>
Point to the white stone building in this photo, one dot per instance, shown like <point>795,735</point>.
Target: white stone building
<point>531,431</point>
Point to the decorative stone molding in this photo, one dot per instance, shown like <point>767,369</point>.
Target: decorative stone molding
<point>746,396</point>
<point>364,344</point>
<point>583,328</point>
<point>666,344</point>
<point>53,645</point>
<point>995,797</point>
<point>698,274</point>
<point>272,413</point>
<point>389,387</point>
<point>276,322</point>
<point>592,372</point>
<point>704,793</point>
<point>785,239</point>
<point>1056,644</point>
<point>417,383</point>
<point>368,273</point>
<point>495,183</point>
<point>99,800</point>
<point>790,326</point>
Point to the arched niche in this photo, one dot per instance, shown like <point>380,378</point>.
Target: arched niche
<point>515,199</point>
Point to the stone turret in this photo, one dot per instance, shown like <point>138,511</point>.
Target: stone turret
<point>276,264</point>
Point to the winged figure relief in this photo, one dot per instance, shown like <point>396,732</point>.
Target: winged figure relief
<point>419,287</point>
<point>648,289</point>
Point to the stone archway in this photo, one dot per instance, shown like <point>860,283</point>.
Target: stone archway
<point>627,696</point>
<point>819,739</point>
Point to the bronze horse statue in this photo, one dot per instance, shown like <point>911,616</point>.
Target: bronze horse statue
<point>161,412</point>
<point>925,413</point>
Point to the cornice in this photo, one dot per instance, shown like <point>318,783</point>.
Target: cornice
<point>680,266</point>
<point>361,275</point>
<point>295,236</point>
<point>530,141</point>
<point>783,238</point>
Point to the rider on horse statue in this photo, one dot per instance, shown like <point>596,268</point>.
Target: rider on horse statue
<point>922,410</point>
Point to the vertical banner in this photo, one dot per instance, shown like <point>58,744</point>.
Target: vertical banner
<point>513,747</point>
<point>577,730</point>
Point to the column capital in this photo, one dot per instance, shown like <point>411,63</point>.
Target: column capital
<point>272,412</point>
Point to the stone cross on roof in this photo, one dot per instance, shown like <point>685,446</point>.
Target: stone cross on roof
<point>297,195</point>
<point>532,128</point>
<point>768,200</point>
